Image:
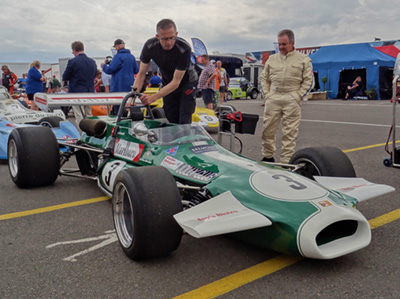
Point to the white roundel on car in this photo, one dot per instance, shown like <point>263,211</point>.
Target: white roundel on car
<point>208,119</point>
<point>285,185</point>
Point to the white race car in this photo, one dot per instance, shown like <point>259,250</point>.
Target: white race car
<point>13,111</point>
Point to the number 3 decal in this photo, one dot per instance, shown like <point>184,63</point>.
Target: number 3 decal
<point>293,184</point>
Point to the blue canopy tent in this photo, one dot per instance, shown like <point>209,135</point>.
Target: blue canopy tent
<point>328,61</point>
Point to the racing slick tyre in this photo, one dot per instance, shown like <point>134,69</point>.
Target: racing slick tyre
<point>229,95</point>
<point>254,94</point>
<point>143,203</point>
<point>51,121</point>
<point>158,113</point>
<point>33,157</point>
<point>323,161</point>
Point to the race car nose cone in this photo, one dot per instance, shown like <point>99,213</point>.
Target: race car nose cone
<point>333,232</point>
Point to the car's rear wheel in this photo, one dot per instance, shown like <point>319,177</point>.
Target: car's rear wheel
<point>254,94</point>
<point>144,202</point>
<point>323,161</point>
<point>33,157</point>
<point>229,96</point>
<point>51,121</point>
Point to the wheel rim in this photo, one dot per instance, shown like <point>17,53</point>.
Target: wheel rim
<point>13,158</point>
<point>123,215</point>
<point>255,94</point>
<point>309,170</point>
<point>46,124</point>
<point>229,96</point>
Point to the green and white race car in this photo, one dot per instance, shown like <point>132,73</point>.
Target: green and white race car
<point>240,87</point>
<point>166,178</point>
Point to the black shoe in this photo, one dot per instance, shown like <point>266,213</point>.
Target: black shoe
<point>272,160</point>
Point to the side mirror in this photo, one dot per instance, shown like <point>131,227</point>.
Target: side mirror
<point>396,70</point>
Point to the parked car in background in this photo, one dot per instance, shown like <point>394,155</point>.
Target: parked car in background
<point>240,87</point>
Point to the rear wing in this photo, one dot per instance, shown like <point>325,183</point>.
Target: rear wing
<point>48,101</point>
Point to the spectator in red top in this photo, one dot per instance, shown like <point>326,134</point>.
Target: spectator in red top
<point>9,79</point>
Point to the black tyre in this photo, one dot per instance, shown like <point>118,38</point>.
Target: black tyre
<point>144,202</point>
<point>51,121</point>
<point>158,113</point>
<point>253,93</point>
<point>323,161</point>
<point>229,95</point>
<point>33,157</point>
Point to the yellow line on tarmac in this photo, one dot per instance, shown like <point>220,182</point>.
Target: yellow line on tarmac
<point>53,208</point>
<point>384,219</point>
<point>236,280</point>
<point>367,147</point>
<point>231,282</point>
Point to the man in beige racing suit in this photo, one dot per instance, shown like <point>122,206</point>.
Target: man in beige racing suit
<point>286,79</point>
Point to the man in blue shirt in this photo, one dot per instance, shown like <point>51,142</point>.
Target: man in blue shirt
<point>123,68</point>
<point>80,73</point>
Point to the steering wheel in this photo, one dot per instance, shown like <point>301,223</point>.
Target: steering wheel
<point>132,94</point>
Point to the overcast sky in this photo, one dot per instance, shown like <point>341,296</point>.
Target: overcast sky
<point>44,29</point>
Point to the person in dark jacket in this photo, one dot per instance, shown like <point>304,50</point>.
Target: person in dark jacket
<point>80,73</point>
<point>123,68</point>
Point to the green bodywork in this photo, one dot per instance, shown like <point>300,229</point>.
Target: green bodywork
<point>229,171</point>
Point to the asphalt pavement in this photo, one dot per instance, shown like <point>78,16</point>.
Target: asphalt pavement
<point>59,241</point>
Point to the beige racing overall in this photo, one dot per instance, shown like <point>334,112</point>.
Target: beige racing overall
<point>285,81</point>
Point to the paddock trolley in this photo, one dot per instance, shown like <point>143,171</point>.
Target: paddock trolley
<point>394,152</point>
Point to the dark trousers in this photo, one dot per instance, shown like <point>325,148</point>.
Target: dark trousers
<point>180,104</point>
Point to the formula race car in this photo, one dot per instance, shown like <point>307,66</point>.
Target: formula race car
<point>13,111</point>
<point>240,87</point>
<point>163,177</point>
<point>14,115</point>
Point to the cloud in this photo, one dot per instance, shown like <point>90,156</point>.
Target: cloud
<point>45,29</point>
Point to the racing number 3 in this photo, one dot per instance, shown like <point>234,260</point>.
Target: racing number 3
<point>107,178</point>
<point>292,183</point>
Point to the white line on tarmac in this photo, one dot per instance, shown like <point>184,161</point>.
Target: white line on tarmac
<point>346,103</point>
<point>345,123</point>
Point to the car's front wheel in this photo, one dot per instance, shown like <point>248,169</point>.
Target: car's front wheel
<point>33,157</point>
<point>323,161</point>
<point>144,202</point>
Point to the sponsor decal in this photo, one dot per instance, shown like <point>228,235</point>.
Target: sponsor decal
<point>171,163</point>
<point>147,161</point>
<point>217,215</point>
<point>128,150</point>
<point>203,149</point>
<point>352,187</point>
<point>195,173</point>
<point>198,143</point>
<point>66,137</point>
<point>173,150</point>
<point>19,117</point>
<point>325,203</point>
